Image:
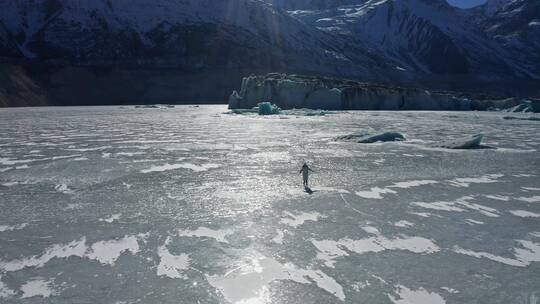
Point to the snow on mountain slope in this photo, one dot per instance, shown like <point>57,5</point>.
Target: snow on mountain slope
<point>424,36</point>
<point>184,33</point>
<point>311,4</point>
<point>515,25</point>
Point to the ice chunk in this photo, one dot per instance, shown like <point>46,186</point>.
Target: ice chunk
<point>367,138</point>
<point>472,142</point>
<point>266,108</point>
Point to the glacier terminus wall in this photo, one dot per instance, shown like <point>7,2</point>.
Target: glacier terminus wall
<point>296,91</point>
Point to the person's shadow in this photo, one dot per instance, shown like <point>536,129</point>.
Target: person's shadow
<point>308,190</point>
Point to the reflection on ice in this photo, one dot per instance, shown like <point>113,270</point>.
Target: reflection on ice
<point>249,281</point>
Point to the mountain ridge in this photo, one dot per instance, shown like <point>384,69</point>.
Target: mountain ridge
<point>406,42</point>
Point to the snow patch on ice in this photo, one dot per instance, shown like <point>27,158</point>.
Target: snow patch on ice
<point>449,290</point>
<point>459,206</point>
<point>107,252</point>
<point>330,250</point>
<point>297,220</point>
<point>63,188</point>
<point>403,224</point>
<point>530,188</point>
<point>474,222</point>
<point>4,228</point>
<point>371,230</point>
<point>444,206</point>
<point>526,254</point>
<point>112,218</point>
<point>375,193</point>
<point>218,235</point>
<point>193,167</point>
<point>524,213</point>
<point>418,296</point>
<point>533,199</point>
<point>75,248</point>
<point>467,181</point>
<point>498,197</point>
<point>38,288</point>
<point>413,183</point>
<point>278,239</point>
<point>171,265</point>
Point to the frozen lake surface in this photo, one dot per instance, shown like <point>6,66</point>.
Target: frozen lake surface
<point>191,205</point>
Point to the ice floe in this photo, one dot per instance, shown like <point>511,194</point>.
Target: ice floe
<point>170,265</point>
<point>250,281</point>
<point>367,138</point>
<point>295,220</point>
<point>470,142</point>
<point>218,235</point>
<point>38,287</point>
<point>415,296</point>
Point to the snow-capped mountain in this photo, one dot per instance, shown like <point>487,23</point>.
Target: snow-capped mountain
<point>427,36</point>
<point>68,44</point>
<point>165,33</point>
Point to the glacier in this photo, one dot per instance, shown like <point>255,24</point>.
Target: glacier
<point>298,91</point>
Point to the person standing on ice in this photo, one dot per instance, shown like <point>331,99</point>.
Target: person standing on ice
<point>305,173</point>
